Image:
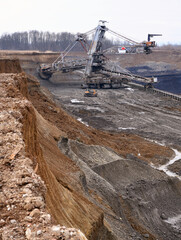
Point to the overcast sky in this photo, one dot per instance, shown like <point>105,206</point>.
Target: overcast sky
<point>132,18</point>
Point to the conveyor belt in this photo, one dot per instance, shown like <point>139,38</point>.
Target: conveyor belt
<point>146,80</point>
<point>154,90</point>
<point>129,76</point>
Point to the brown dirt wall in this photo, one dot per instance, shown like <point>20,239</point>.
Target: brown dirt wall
<point>10,66</point>
<point>66,206</point>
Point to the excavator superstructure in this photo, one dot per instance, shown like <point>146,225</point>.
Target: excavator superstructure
<point>98,71</point>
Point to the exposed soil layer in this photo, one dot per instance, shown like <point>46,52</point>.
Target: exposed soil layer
<point>10,66</point>
<point>22,191</point>
<point>162,56</point>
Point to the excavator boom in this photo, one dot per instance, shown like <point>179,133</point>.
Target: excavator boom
<point>95,51</point>
<point>97,72</point>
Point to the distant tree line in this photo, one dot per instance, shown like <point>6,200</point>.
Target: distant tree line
<point>42,41</point>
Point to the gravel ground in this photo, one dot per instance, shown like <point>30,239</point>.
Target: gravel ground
<point>126,109</point>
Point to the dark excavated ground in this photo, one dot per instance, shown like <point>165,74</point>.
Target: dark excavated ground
<point>169,81</point>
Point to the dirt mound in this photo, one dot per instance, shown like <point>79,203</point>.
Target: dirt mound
<point>176,167</point>
<point>91,154</point>
<point>130,186</point>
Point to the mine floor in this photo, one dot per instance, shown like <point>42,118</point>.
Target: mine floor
<point>126,109</point>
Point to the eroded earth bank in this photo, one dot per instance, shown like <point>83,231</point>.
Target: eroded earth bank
<point>100,166</point>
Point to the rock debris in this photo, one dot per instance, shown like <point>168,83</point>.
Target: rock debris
<point>22,191</point>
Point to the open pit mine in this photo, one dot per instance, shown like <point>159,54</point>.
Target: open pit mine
<point>96,168</point>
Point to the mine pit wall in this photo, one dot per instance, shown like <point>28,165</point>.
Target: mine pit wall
<point>10,66</point>
<point>66,207</point>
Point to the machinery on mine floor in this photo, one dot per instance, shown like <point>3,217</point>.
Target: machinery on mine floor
<point>90,93</point>
<point>98,72</point>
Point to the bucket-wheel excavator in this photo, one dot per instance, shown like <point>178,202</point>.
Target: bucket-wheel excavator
<point>98,71</point>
